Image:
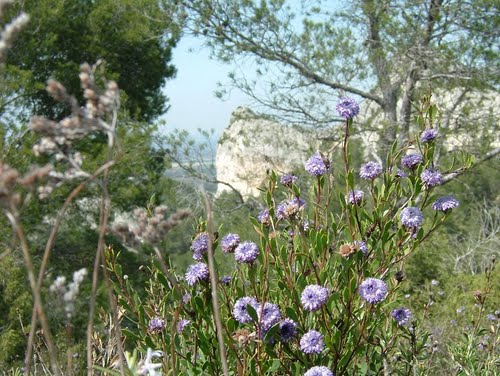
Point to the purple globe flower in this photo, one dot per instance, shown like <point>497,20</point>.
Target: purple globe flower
<point>347,108</point>
<point>428,135</point>
<point>318,371</point>
<point>288,330</point>
<point>156,325</point>
<point>355,196</point>
<point>246,252</point>
<point>314,297</point>
<point>316,165</point>
<point>269,314</point>
<point>229,243</point>
<point>263,217</point>
<point>226,280</point>
<point>399,173</point>
<point>370,170</point>
<point>288,179</point>
<point>200,245</point>
<point>361,245</point>
<point>445,203</point>
<point>312,342</point>
<point>240,309</point>
<point>431,178</point>
<point>402,315</point>
<point>411,161</point>
<point>196,273</point>
<point>373,290</point>
<point>289,208</point>
<point>411,217</point>
<point>182,324</point>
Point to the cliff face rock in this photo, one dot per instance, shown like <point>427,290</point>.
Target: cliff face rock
<point>251,144</point>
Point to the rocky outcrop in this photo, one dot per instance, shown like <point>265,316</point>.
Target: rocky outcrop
<point>251,144</point>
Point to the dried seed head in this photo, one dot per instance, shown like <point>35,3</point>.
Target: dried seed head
<point>346,250</point>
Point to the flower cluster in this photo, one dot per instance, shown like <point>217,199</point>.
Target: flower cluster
<point>289,209</point>
<point>431,178</point>
<point>411,161</point>
<point>230,242</point>
<point>373,290</point>
<point>318,371</point>
<point>288,330</point>
<point>370,170</point>
<point>314,297</point>
<point>355,197</point>
<point>411,217</point>
<point>445,203</point>
<point>347,108</point>
<point>200,245</point>
<point>312,342</point>
<point>156,325</point>
<point>246,252</point>
<point>317,165</point>
<point>288,179</point>
<point>196,273</point>
<point>428,135</point>
<point>401,315</point>
<point>263,217</point>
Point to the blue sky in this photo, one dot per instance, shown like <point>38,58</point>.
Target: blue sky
<point>192,99</point>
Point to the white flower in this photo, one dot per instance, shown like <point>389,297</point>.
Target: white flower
<point>148,367</point>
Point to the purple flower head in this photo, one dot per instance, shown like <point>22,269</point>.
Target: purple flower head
<point>347,108</point>
<point>317,165</point>
<point>411,161</point>
<point>288,330</point>
<point>355,196</point>
<point>200,245</point>
<point>246,252</point>
<point>288,179</point>
<point>431,178</point>
<point>196,273</point>
<point>491,317</point>
<point>361,245</point>
<point>428,135</point>
<point>370,170</point>
<point>181,324</point>
<point>186,298</point>
<point>318,371</point>
<point>229,243</point>
<point>289,208</point>
<point>314,297</point>
<point>445,203</point>
<point>402,315</point>
<point>156,325</point>
<point>312,342</point>
<point>226,280</point>
<point>411,217</point>
<point>399,173</point>
<point>263,217</point>
<point>269,314</point>
<point>240,309</point>
<point>373,290</point>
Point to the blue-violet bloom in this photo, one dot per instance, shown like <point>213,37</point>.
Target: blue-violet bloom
<point>373,290</point>
<point>312,342</point>
<point>314,297</point>
<point>370,170</point>
<point>347,108</point>
<point>246,252</point>
<point>229,243</point>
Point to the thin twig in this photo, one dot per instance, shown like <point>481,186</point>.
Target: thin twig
<point>213,283</point>
<point>48,249</point>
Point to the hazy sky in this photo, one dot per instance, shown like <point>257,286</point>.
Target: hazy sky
<point>192,99</point>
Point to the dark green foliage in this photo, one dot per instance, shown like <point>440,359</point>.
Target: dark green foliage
<point>132,37</point>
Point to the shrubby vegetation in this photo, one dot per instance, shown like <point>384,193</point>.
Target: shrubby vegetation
<point>315,278</point>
